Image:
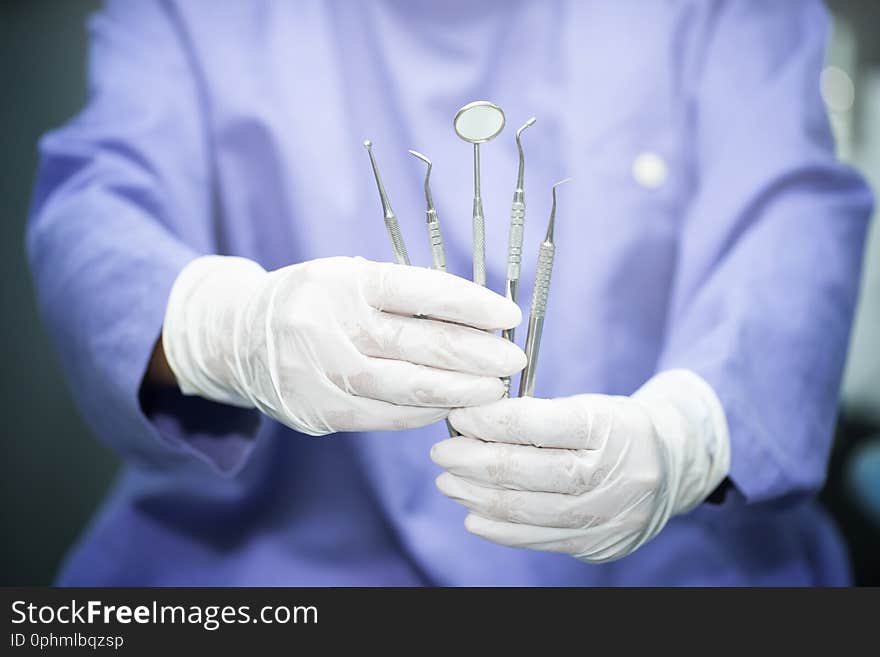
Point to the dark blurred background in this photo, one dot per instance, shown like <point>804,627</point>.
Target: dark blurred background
<point>54,474</point>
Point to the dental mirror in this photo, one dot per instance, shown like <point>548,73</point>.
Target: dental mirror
<point>477,123</point>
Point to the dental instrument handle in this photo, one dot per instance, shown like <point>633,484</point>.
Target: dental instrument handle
<point>514,257</point>
<point>438,253</point>
<point>479,225</point>
<point>514,246</point>
<point>540,294</point>
<point>514,251</point>
<point>397,243</point>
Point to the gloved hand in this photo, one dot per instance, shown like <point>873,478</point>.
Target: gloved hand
<point>594,476</point>
<point>334,345</point>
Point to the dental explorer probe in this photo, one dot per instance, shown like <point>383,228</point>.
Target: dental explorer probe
<point>539,302</point>
<point>390,219</point>
<point>517,220</point>
<point>438,254</point>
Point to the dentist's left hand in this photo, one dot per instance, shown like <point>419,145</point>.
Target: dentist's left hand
<point>593,476</point>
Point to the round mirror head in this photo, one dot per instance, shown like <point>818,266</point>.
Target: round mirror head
<point>479,121</point>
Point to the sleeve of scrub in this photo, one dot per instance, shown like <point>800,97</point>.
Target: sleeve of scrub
<point>122,203</point>
<point>771,246</point>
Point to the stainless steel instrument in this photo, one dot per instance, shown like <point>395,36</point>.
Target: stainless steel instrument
<point>477,123</point>
<point>539,302</point>
<point>438,253</point>
<point>517,223</point>
<point>390,219</point>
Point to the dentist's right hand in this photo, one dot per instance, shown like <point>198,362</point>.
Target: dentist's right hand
<point>334,344</point>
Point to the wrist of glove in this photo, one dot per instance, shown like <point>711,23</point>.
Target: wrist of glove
<point>205,309</point>
<point>338,344</point>
<point>594,476</point>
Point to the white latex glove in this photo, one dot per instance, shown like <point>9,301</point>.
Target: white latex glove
<point>594,476</point>
<point>333,345</point>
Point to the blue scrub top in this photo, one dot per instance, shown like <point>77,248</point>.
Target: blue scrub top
<point>708,226</point>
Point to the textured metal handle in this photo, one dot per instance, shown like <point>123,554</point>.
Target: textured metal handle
<point>438,254</point>
<point>540,292</point>
<point>396,239</point>
<point>542,280</point>
<point>514,247</point>
<point>479,243</point>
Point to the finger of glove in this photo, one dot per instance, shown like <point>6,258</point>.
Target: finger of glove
<point>416,291</point>
<point>511,534</point>
<point>600,544</point>
<point>362,414</point>
<point>439,344</point>
<point>580,422</point>
<point>403,383</point>
<point>611,547</point>
<point>521,467</point>
<point>524,507</point>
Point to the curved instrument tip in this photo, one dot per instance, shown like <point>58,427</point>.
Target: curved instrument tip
<point>525,125</point>
<point>520,175</point>
<point>551,224</point>
<point>423,158</point>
